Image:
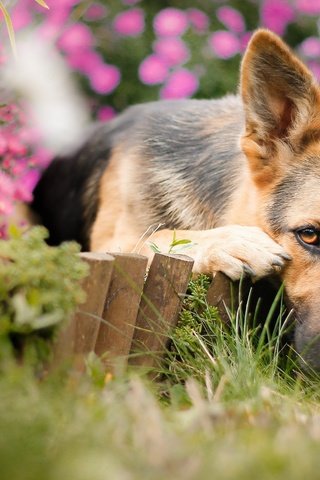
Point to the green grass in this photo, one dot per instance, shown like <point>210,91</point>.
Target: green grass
<point>231,404</point>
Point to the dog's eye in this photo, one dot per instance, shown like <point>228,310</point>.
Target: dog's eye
<point>309,236</point>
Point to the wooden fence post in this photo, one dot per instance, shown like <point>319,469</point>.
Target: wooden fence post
<point>80,335</point>
<point>167,281</point>
<point>222,294</point>
<point>121,308</point>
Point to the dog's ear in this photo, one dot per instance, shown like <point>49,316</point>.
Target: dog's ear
<point>279,96</point>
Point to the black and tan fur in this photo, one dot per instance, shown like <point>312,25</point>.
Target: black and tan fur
<point>240,177</point>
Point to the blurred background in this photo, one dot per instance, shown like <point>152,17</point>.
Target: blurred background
<point>128,51</point>
<point>132,51</point>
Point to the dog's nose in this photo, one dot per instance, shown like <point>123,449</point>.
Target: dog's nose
<point>307,345</point>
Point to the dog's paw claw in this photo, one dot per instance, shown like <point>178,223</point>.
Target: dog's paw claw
<point>277,263</point>
<point>285,256</point>
<point>249,271</point>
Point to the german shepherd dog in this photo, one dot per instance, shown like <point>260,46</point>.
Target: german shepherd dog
<point>239,177</point>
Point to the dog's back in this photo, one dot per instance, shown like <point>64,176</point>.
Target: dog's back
<point>186,157</point>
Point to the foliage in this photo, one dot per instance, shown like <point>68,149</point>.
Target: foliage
<point>39,286</point>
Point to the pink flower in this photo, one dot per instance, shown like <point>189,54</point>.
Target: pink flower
<point>181,84</point>
<point>172,50</point>
<point>224,44</point>
<point>84,61</point>
<point>96,11</point>
<point>170,22</point>
<point>198,19</point>
<point>244,40</point>
<point>153,70</point>
<point>276,14</point>
<point>76,37</point>
<point>309,7</point>
<point>57,16</point>
<point>104,78</point>
<point>6,204</point>
<point>49,31</point>
<point>15,147</point>
<point>21,17</point>
<point>106,113</point>
<point>24,186</point>
<point>59,4</point>
<point>129,23</point>
<point>310,47</point>
<point>7,189</point>
<point>3,231</point>
<point>3,145</point>
<point>231,18</point>
<point>315,69</point>
<point>41,158</point>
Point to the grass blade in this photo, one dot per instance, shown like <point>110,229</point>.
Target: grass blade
<point>42,3</point>
<point>9,26</point>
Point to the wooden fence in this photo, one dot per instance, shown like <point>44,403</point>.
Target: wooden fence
<point>130,311</point>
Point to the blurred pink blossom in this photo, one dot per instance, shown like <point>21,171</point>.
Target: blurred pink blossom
<point>59,4</point>
<point>170,22</point>
<point>172,50</point>
<point>57,16</point>
<point>76,37</point>
<point>106,113</point>
<point>315,68</point>
<point>310,47</point>
<point>96,11</point>
<point>153,70</point>
<point>276,14</point>
<point>244,40</point>
<point>6,204</point>
<point>104,78</point>
<point>181,84</point>
<point>21,16</point>
<point>129,23</point>
<point>41,158</point>
<point>7,189</point>
<point>309,7</point>
<point>15,146</point>
<point>49,31</point>
<point>84,61</point>
<point>25,184</point>
<point>198,19</point>
<point>231,18</point>
<point>224,44</point>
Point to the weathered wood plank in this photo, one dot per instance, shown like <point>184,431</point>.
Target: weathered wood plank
<point>80,335</point>
<point>121,309</point>
<point>167,281</point>
<point>223,294</point>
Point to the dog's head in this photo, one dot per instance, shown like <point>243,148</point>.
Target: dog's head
<point>282,144</point>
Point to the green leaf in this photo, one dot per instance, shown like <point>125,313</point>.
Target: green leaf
<point>154,247</point>
<point>14,231</point>
<point>10,29</point>
<point>42,3</point>
<point>180,242</point>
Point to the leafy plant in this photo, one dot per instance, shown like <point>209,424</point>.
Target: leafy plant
<point>176,245</point>
<point>39,285</point>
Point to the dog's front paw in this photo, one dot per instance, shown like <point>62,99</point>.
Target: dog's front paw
<point>238,250</point>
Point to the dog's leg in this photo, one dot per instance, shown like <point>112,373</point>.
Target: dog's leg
<point>234,250</point>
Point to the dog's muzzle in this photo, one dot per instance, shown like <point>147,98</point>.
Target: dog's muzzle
<point>307,345</point>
